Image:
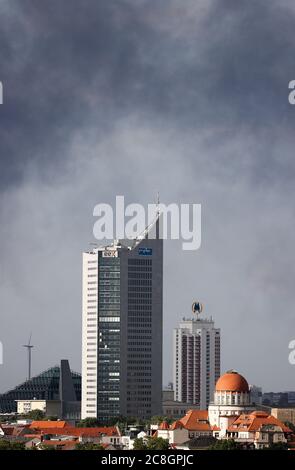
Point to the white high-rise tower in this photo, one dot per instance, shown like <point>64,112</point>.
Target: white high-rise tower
<point>196,359</point>
<point>122,329</point>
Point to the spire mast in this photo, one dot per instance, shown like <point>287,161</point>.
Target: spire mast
<point>158,217</point>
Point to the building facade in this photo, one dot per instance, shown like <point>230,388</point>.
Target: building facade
<point>255,394</point>
<point>196,361</point>
<point>49,408</point>
<point>122,328</point>
<point>57,383</point>
<point>278,399</point>
<point>175,409</point>
<point>258,430</point>
<point>231,399</point>
<point>287,415</point>
<point>229,416</point>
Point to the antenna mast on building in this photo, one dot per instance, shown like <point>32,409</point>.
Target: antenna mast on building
<point>29,348</point>
<point>158,203</point>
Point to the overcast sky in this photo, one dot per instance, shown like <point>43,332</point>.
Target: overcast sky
<point>106,98</point>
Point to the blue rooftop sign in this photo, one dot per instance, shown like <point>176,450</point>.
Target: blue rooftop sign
<point>145,251</point>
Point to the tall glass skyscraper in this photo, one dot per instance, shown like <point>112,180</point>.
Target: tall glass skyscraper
<point>122,329</point>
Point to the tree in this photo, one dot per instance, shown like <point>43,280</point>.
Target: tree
<point>11,445</point>
<point>157,443</point>
<point>8,419</point>
<point>46,447</point>
<point>123,422</point>
<point>150,443</point>
<point>224,444</point>
<point>35,415</point>
<point>278,446</point>
<point>139,444</point>
<point>4,445</point>
<point>88,423</point>
<point>290,426</point>
<point>17,445</point>
<point>160,419</point>
<point>88,446</point>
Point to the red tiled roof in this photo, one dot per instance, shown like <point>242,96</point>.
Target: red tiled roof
<point>215,428</point>
<point>13,430</point>
<point>176,425</point>
<point>8,430</point>
<point>196,420</point>
<point>164,425</point>
<point>254,421</point>
<point>82,432</point>
<point>48,424</point>
<point>65,445</point>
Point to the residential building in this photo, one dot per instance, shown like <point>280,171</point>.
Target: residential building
<point>56,433</point>
<point>230,416</point>
<point>258,430</point>
<point>194,424</point>
<point>196,360</point>
<point>48,407</point>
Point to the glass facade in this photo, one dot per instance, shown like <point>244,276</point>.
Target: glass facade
<point>43,387</point>
<point>122,330</point>
<point>139,342</point>
<point>108,375</point>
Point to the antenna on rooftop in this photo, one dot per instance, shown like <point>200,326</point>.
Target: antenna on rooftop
<point>29,348</point>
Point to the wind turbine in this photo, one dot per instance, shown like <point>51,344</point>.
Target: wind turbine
<point>29,348</point>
